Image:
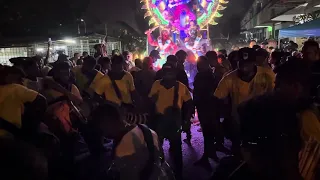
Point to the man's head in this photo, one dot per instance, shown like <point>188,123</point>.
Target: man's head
<point>76,56</point>
<point>293,79</point>
<point>105,63</point>
<point>61,72</point>
<point>11,75</point>
<point>182,56</point>
<point>311,51</point>
<point>256,47</point>
<point>173,60</point>
<point>155,55</point>
<point>213,58</point>
<point>85,54</point>
<point>107,119</point>
<point>147,63</point>
<point>62,57</point>
<point>252,43</point>
<point>117,63</point>
<point>138,63</point>
<point>169,72</point>
<point>203,64</point>
<point>127,55</point>
<point>262,56</point>
<point>223,52</point>
<point>31,68</point>
<point>89,63</point>
<point>247,60</point>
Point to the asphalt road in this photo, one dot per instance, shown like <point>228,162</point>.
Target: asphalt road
<point>191,154</point>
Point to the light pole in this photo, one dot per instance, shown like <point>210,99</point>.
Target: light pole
<point>85,26</point>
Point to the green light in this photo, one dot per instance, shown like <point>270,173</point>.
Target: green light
<point>270,28</point>
<point>203,17</point>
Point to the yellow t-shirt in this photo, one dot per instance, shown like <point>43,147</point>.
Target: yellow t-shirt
<point>165,96</point>
<point>51,94</point>
<point>310,123</point>
<point>240,91</point>
<point>12,100</point>
<point>82,80</point>
<point>125,85</point>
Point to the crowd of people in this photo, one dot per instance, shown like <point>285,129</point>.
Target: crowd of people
<point>265,102</point>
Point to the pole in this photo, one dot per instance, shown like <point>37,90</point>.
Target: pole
<point>85,27</point>
<point>106,29</point>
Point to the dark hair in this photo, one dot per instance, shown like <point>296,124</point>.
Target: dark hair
<point>6,70</point>
<point>147,62</point>
<point>294,70</point>
<point>223,57</point>
<point>212,55</point>
<point>104,60</point>
<point>262,52</point>
<point>310,43</point>
<point>90,60</point>
<point>223,51</point>
<point>76,54</point>
<point>138,63</point>
<point>85,53</point>
<point>172,59</point>
<point>256,47</point>
<point>181,53</point>
<point>117,59</point>
<point>125,54</point>
<point>106,112</point>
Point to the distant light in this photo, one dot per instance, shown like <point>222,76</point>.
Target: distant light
<point>60,47</point>
<point>71,41</point>
<point>81,20</point>
<point>39,49</point>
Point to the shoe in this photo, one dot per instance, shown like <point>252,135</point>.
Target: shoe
<point>204,163</point>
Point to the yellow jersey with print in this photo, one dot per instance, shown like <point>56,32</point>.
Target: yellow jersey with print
<point>164,96</point>
<point>125,85</point>
<point>82,80</point>
<point>240,91</point>
<point>12,100</point>
<point>310,153</point>
<point>310,124</point>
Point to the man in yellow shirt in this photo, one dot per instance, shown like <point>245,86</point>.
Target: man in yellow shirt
<point>240,85</point>
<point>117,87</point>
<point>86,76</point>
<point>169,95</point>
<point>13,98</point>
<point>270,127</point>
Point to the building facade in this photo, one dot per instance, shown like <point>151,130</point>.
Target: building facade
<point>265,18</point>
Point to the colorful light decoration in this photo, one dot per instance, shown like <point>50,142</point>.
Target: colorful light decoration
<point>183,24</point>
<point>211,8</point>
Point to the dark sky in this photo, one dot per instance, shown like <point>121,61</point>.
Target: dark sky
<point>19,18</point>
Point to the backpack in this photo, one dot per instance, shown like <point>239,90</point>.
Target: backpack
<point>145,174</point>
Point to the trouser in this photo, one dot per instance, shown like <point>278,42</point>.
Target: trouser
<point>167,128</point>
<point>175,144</point>
<point>211,128</point>
<point>233,129</point>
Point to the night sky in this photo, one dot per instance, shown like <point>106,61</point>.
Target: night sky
<point>20,18</point>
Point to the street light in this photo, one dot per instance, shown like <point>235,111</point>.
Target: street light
<point>85,26</point>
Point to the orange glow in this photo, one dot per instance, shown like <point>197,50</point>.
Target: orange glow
<point>220,60</point>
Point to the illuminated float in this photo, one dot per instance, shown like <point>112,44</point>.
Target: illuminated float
<point>182,24</point>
